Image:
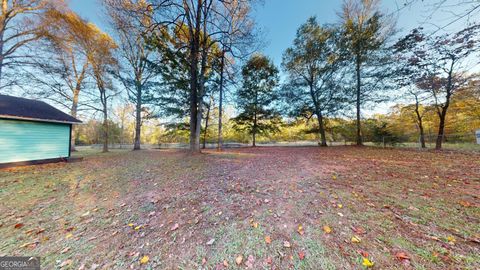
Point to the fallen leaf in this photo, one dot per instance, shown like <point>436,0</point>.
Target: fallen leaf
<point>144,259</point>
<point>239,259</point>
<point>131,224</point>
<point>287,244</point>
<point>210,242</point>
<point>253,223</point>
<point>65,250</point>
<point>269,260</point>
<point>465,203</point>
<point>327,229</point>
<point>363,253</point>
<point>402,256</point>
<point>138,227</point>
<point>268,240</point>
<point>359,230</point>
<point>451,240</point>
<point>174,227</point>
<point>340,205</point>
<point>300,230</point>
<point>68,236</point>
<point>225,263</point>
<point>367,263</point>
<point>356,239</point>
<point>92,238</point>
<point>18,225</point>
<point>301,255</point>
<point>65,263</point>
<point>30,245</point>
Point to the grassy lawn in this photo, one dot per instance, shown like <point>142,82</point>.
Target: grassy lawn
<point>272,207</point>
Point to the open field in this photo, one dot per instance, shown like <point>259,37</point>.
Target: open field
<point>277,208</point>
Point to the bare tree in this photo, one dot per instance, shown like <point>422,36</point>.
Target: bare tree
<point>443,62</point>
<point>238,41</point>
<point>408,70</point>
<point>101,58</point>
<point>419,114</point>
<point>129,20</point>
<point>453,11</point>
<point>18,28</point>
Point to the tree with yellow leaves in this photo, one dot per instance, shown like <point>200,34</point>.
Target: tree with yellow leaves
<point>61,66</point>
<point>365,31</point>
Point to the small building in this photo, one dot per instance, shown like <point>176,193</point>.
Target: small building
<point>33,132</point>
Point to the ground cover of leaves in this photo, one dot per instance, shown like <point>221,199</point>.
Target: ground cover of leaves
<point>249,208</point>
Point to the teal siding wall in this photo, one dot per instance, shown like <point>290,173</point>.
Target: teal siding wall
<point>26,140</point>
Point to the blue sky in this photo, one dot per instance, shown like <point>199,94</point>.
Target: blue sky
<point>280,19</point>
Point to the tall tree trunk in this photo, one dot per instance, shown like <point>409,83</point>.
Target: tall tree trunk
<point>359,140</point>
<point>220,104</point>
<point>321,129</point>
<point>254,130</point>
<point>73,113</point>
<point>318,112</point>
<point>420,123</point>
<point>193,112</point>
<point>2,34</point>
<point>441,129</point>
<point>443,113</point>
<point>205,131</point>
<point>1,61</point>
<point>198,48</point>
<point>138,117</point>
<point>105,125</point>
<point>193,120</point>
<point>194,83</point>
<point>198,129</point>
<point>422,135</point>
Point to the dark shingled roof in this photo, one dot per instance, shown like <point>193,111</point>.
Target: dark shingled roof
<point>34,110</point>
